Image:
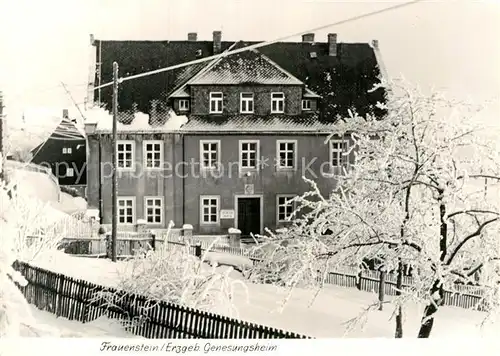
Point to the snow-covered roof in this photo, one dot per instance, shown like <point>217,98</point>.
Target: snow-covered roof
<point>140,123</point>
<point>36,127</point>
<point>246,67</point>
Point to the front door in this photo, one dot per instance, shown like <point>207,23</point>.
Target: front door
<point>249,216</point>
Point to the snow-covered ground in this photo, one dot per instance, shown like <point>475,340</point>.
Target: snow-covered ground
<point>43,187</point>
<point>35,184</point>
<point>69,204</point>
<point>326,317</point>
<point>50,325</point>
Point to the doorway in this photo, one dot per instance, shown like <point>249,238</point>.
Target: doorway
<point>249,215</point>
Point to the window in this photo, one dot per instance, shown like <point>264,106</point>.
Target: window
<point>183,104</point>
<point>338,148</point>
<point>209,209</point>
<point>286,154</point>
<point>67,150</point>
<point>153,154</point>
<point>284,207</point>
<point>249,151</point>
<point>209,154</point>
<point>125,155</point>
<point>70,172</point>
<point>246,103</point>
<point>215,103</point>
<point>306,104</point>
<point>277,102</point>
<point>126,207</point>
<point>153,210</point>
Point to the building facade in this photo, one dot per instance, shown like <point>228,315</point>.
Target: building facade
<point>249,127</point>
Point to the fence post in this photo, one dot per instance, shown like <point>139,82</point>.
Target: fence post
<point>153,241</point>
<point>234,237</point>
<point>187,231</point>
<point>197,250</point>
<point>358,284</point>
<point>108,245</point>
<point>381,288</point>
<point>60,290</point>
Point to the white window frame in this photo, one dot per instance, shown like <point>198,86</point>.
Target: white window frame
<point>342,157</point>
<point>257,154</point>
<point>247,101</point>
<point>278,196</point>
<point>306,107</point>
<point>217,151</point>
<point>124,142</point>
<point>277,101</point>
<point>162,210</point>
<point>278,156</point>
<point>183,104</point>
<point>67,150</point>
<point>145,153</point>
<point>218,100</point>
<point>202,213</point>
<point>68,170</point>
<point>126,198</point>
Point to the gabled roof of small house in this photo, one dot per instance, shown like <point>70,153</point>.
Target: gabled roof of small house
<point>66,130</point>
<point>342,81</point>
<point>249,67</point>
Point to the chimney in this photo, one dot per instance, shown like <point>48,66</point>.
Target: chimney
<point>153,115</point>
<point>217,42</point>
<point>308,37</point>
<point>332,44</point>
<point>65,114</point>
<point>192,36</point>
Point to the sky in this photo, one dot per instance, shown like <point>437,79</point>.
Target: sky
<point>449,45</point>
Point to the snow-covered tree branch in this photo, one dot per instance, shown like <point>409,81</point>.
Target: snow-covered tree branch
<point>20,217</point>
<point>422,193</point>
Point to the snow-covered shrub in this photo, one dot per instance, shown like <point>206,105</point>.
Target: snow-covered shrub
<point>20,216</point>
<point>174,275</point>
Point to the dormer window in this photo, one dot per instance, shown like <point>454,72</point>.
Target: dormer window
<point>306,104</point>
<point>183,105</point>
<point>246,103</point>
<point>216,103</point>
<point>277,102</point>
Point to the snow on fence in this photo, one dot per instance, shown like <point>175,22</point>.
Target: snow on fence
<point>80,300</point>
<point>463,296</point>
<point>128,243</point>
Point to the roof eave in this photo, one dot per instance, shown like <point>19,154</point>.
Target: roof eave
<point>224,132</point>
<point>256,132</point>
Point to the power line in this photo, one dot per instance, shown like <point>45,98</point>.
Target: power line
<point>20,93</point>
<point>73,100</point>
<point>262,44</point>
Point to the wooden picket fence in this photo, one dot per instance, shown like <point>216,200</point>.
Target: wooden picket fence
<point>463,296</point>
<point>83,301</point>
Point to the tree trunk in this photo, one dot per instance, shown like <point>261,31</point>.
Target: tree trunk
<point>430,310</point>
<point>437,291</point>
<point>399,316</point>
<point>381,290</point>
